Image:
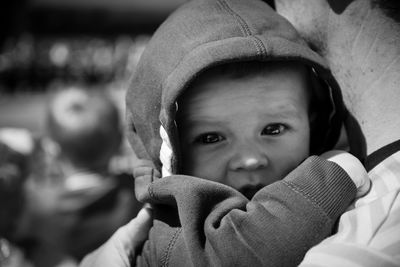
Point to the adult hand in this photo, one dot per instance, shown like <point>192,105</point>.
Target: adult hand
<point>122,248</point>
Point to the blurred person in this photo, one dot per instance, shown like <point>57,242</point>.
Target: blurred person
<point>84,128</point>
<point>83,202</point>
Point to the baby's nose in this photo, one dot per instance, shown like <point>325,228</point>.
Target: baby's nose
<point>249,158</point>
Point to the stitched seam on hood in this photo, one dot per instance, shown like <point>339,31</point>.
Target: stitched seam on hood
<point>168,250</point>
<point>260,45</point>
<point>244,27</point>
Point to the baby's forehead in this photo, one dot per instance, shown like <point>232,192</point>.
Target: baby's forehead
<point>249,70</point>
<point>277,94</point>
<point>249,74</point>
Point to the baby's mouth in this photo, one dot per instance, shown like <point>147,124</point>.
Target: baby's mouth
<point>250,190</point>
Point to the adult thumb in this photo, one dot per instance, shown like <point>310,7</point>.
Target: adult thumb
<point>131,236</point>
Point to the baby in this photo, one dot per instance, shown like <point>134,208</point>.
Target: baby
<point>231,107</point>
<point>246,125</point>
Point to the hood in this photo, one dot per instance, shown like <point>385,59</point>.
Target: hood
<point>204,33</point>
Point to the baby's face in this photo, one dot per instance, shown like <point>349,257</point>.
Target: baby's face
<point>245,133</point>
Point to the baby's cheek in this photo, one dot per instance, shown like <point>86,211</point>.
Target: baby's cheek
<point>201,167</point>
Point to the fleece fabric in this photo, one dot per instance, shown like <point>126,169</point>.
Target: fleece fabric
<point>203,223</point>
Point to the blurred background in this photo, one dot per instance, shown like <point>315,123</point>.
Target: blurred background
<point>55,209</point>
<point>45,44</point>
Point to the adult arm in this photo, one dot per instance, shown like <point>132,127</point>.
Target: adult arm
<point>123,246</point>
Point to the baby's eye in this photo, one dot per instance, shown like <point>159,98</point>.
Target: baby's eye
<point>273,129</point>
<point>209,138</point>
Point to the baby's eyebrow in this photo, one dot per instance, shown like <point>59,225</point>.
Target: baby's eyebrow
<point>195,120</point>
<point>286,114</point>
<point>284,111</point>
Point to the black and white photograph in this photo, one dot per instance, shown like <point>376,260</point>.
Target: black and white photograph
<point>157,133</point>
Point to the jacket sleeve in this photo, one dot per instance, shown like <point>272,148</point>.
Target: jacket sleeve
<point>218,226</point>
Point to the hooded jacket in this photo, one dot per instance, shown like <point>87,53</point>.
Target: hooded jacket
<point>203,223</point>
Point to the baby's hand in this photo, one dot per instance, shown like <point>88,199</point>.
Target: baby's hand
<point>143,167</point>
<point>144,173</point>
<point>353,167</point>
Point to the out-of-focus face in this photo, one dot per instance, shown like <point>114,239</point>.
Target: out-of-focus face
<point>309,17</point>
<point>248,132</point>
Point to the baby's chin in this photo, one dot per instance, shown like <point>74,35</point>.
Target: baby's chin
<point>250,190</point>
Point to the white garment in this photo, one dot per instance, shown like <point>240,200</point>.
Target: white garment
<point>369,232</point>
